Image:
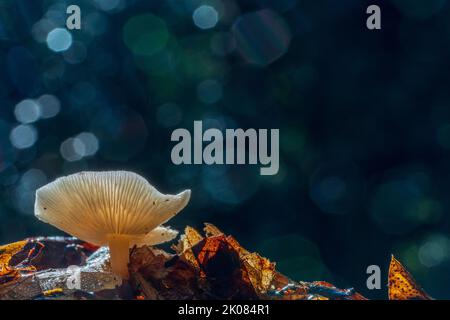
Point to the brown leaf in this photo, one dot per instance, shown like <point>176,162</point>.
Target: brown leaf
<point>149,262</point>
<point>190,238</point>
<point>211,230</point>
<point>156,274</point>
<point>6,253</point>
<point>181,282</point>
<point>401,284</point>
<point>260,270</point>
<point>184,247</point>
<point>222,258</point>
<point>222,270</point>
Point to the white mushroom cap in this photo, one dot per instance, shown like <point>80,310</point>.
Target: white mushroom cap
<point>156,236</point>
<point>94,206</point>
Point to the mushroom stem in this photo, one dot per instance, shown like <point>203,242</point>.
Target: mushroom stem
<point>119,245</point>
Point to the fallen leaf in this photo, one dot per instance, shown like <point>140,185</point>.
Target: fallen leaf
<point>189,239</point>
<point>184,247</point>
<point>6,253</point>
<point>221,257</point>
<point>211,230</point>
<point>222,269</point>
<point>401,284</point>
<point>260,269</point>
<point>8,270</point>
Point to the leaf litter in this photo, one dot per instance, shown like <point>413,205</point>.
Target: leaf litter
<point>207,265</point>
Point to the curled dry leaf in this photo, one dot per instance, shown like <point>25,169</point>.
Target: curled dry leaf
<point>208,265</point>
<point>9,270</point>
<point>235,270</point>
<point>402,285</point>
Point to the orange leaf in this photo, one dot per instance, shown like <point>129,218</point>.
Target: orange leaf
<point>260,270</point>
<point>402,285</point>
<point>6,252</point>
<point>254,271</point>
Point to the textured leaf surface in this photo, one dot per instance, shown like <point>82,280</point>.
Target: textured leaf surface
<point>402,285</point>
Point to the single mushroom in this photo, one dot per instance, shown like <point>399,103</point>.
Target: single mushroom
<point>116,208</point>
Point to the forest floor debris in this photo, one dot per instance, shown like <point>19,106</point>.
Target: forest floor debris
<point>211,265</point>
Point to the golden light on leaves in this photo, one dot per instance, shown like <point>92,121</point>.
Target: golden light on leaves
<point>6,252</point>
<point>252,270</point>
<point>205,265</point>
<point>401,284</point>
<point>8,272</point>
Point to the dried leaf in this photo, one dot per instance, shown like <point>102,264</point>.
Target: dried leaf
<point>402,285</point>
<point>59,252</point>
<point>222,258</point>
<point>6,253</point>
<point>260,269</point>
<point>211,230</point>
<point>158,275</point>
<point>181,282</point>
<point>190,238</point>
<point>10,271</point>
<point>222,270</point>
<point>149,262</point>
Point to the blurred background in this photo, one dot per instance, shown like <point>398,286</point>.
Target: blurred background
<point>364,119</point>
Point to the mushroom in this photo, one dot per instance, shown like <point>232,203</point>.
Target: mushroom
<point>119,209</point>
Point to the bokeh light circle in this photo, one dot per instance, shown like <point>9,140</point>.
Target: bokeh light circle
<point>49,106</point>
<point>23,136</point>
<point>59,39</point>
<point>27,111</point>
<point>72,149</point>
<point>90,143</point>
<point>205,17</point>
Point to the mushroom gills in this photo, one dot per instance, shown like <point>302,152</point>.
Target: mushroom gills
<point>119,245</point>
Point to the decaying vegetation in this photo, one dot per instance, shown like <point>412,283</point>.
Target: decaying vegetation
<point>202,266</point>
